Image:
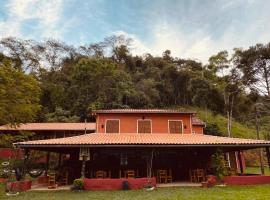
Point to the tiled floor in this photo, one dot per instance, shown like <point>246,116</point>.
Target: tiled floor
<point>178,184</point>
<point>160,185</point>
<point>45,188</point>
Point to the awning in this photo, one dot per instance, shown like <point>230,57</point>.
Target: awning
<point>145,140</point>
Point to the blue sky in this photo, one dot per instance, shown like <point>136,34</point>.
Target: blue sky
<point>189,28</point>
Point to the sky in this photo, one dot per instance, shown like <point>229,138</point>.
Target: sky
<point>195,29</point>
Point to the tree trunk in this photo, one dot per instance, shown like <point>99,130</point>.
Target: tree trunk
<point>231,113</point>
<point>258,137</point>
<point>265,71</point>
<point>228,124</point>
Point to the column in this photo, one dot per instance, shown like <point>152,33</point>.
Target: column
<point>240,162</point>
<point>261,161</point>
<point>83,167</point>
<point>47,163</point>
<point>26,156</point>
<point>59,160</point>
<point>268,156</point>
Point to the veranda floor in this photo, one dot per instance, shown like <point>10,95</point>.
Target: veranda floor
<point>37,187</point>
<point>178,184</point>
<point>45,188</point>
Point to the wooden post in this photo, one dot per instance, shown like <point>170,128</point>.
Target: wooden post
<point>26,156</point>
<point>47,163</point>
<point>83,167</point>
<point>240,162</point>
<point>268,156</point>
<point>261,161</point>
<point>149,163</point>
<point>147,166</point>
<point>59,161</point>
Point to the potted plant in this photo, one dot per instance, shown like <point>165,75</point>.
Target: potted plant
<point>219,167</point>
<point>149,187</point>
<point>78,185</point>
<point>125,185</point>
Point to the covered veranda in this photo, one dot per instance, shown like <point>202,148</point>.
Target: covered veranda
<point>167,157</point>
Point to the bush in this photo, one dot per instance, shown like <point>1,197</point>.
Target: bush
<point>125,185</point>
<point>218,164</point>
<point>212,129</point>
<point>78,184</point>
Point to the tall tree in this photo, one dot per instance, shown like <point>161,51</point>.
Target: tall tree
<point>228,82</point>
<point>19,94</point>
<point>255,66</point>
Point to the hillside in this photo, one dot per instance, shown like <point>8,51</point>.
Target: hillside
<point>238,129</point>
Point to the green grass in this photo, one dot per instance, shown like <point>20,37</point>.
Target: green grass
<point>237,192</point>
<point>257,170</point>
<point>238,129</point>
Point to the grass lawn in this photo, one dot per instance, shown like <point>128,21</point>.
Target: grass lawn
<point>183,193</point>
<point>257,170</point>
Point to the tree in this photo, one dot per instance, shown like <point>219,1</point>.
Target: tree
<point>25,54</point>
<point>230,83</point>
<point>167,55</point>
<point>61,115</point>
<point>98,83</point>
<point>255,66</point>
<point>219,62</point>
<point>19,102</point>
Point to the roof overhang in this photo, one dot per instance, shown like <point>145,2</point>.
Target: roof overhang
<point>50,127</point>
<point>144,140</point>
<point>144,111</point>
<point>136,145</point>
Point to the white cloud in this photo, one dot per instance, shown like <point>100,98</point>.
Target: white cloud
<point>194,46</point>
<point>46,12</point>
<point>198,44</point>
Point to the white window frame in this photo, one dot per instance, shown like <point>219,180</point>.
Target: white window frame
<point>151,124</point>
<point>177,121</point>
<point>112,120</point>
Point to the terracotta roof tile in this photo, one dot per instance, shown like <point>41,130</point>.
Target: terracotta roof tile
<point>145,111</point>
<point>143,139</point>
<point>197,121</point>
<point>50,126</point>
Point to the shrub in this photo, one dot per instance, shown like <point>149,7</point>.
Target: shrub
<point>218,164</point>
<point>78,184</point>
<point>125,185</point>
<point>212,129</point>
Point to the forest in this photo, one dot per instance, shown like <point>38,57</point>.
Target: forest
<point>51,81</point>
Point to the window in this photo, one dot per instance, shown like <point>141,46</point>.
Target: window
<point>175,126</point>
<point>144,126</point>
<point>112,125</point>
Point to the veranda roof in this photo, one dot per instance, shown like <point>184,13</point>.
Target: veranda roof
<point>146,111</point>
<point>50,126</point>
<point>98,139</point>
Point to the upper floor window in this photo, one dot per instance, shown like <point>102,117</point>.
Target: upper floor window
<point>112,125</point>
<point>144,126</point>
<point>175,126</point>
